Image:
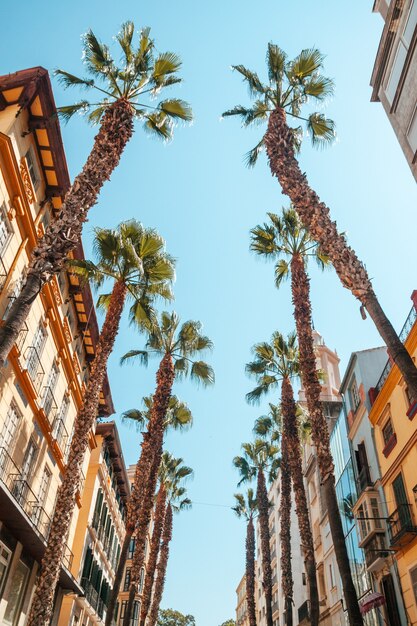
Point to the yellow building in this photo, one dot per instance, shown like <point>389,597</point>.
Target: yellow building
<point>394,417</point>
<point>43,381</point>
<point>99,532</point>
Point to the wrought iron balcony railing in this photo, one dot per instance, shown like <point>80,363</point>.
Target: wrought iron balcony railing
<point>34,367</point>
<point>49,404</point>
<point>405,331</point>
<point>401,528</point>
<point>91,594</point>
<point>375,549</point>
<point>17,485</point>
<point>21,337</point>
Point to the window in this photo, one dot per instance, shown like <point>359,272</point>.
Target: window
<point>412,131</point>
<point>8,433</point>
<point>38,343</point>
<point>413,576</point>
<point>16,594</point>
<point>355,399</point>
<point>5,558</point>
<point>331,576</point>
<point>126,585</point>
<point>141,579</point>
<point>408,396</point>
<point>5,229</point>
<point>387,431</point>
<point>44,485</point>
<point>401,53</point>
<point>17,288</point>
<point>131,548</point>
<point>33,168</point>
<point>303,577</point>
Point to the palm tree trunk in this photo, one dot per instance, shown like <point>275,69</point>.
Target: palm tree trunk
<point>302,311</point>
<point>285,524</point>
<point>289,412</point>
<point>250,572</point>
<point>164,381</point>
<point>63,234</point>
<point>263,508</point>
<point>42,605</point>
<point>315,216</point>
<point>142,471</point>
<point>158,526</point>
<point>161,567</point>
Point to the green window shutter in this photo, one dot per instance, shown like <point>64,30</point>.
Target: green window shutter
<point>87,563</point>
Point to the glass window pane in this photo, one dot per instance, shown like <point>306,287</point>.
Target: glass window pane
<point>410,24</point>
<point>16,594</point>
<point>397,67</point>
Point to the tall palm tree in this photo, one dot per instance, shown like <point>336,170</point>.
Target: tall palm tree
<point>178,417</point>
<point>176,501</point>
<point>123,93</point>
<point>246,507</point>
<point>292,85</point>
<point>288,243</point>
<point>260,457</point>
<point>177,346</point>
<point>277,363</point>
<point>134,258</point>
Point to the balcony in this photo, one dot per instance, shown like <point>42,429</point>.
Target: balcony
<point>93,598</point>
<point>34,368</point>
<point>61,437</point>
<point>364,479</point>
<point>22,512</point>
<point>376,553</point>
<point>304,613</point>
<point>49,404</point>
<point>401,529</point>
<point>21,337</point>
<point>3,275</point>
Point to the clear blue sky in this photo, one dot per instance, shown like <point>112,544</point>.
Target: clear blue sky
<point>198,194</point>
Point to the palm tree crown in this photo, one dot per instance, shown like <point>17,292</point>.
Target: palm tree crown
<point>291,85</point>
<point>172,473</point>
<point>135,256</point>
<point>183,343</point>
<point>260,455</point>
<point>273,361</point>
<point>245,507</point>
<point>141,76</point>
<point>178,415</point>
<point>284,238</point>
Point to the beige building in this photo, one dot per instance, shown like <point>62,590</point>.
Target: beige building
<point>99,532</point>
<point>42,384</point>
<point>242,616</point>
<point>394,77</point>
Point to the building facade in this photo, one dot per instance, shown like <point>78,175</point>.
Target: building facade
<point>370,509</point>
<point>242,616</point>
<point>394,76</point>
<point>42,384</point>
<point>393,416</point>
<point>99,532</point>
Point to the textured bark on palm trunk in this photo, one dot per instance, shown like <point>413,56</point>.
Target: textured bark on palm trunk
<point>302,311</point>
<point>158,526</point>
<point>285,533</point>
<point>42,605</point>
<point>164,381</point>
<point>289,412</point>
<point>63,234</point>
<point>250,572</point>
<point>161,567</point>
<point>142,471</point>
<point>263,508</point>
<point>315,216</point>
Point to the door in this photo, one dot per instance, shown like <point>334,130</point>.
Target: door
<point>48,396</point>
<point>7,438</point>
<point>400,494</point>
<point>21,486</point>
<point>33,362</point>
<point>391,606</point>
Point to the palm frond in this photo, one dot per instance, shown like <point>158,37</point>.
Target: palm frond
<point>306,63</point>
<point>132,355</point>
<point>70,80</point>
<point>282,272</point>
<point>158,124</point>
<point>276,59</point>
<point>322,130</point>
<point>202,372</point>
<point>255,85</point>
<point>176,109</point>
<point>250,159</point>
<point>67,112</point>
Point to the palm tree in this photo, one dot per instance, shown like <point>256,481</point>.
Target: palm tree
<point>178,346</point>
<point>135,259</point>
<point>177,417</point>
<point>247,508</point>
<point>124,94</point>
<point>277,362</point>
<point>259,457</point>
<point>287,242</point>
<point>291,85</point>
<point>177,501</point>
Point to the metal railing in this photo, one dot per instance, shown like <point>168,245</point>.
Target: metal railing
<point>375,549</point>
<point>405,331</point>
<point>34,367</point>
<point>400,522</point>
<point>60,434</point>
<point>21,337</point>
<point>304,612</point>
<point>3,274</point>
<point>49,404</point>
<point>364,479</point>
<point>20,489</point>
<point>91,594</point>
